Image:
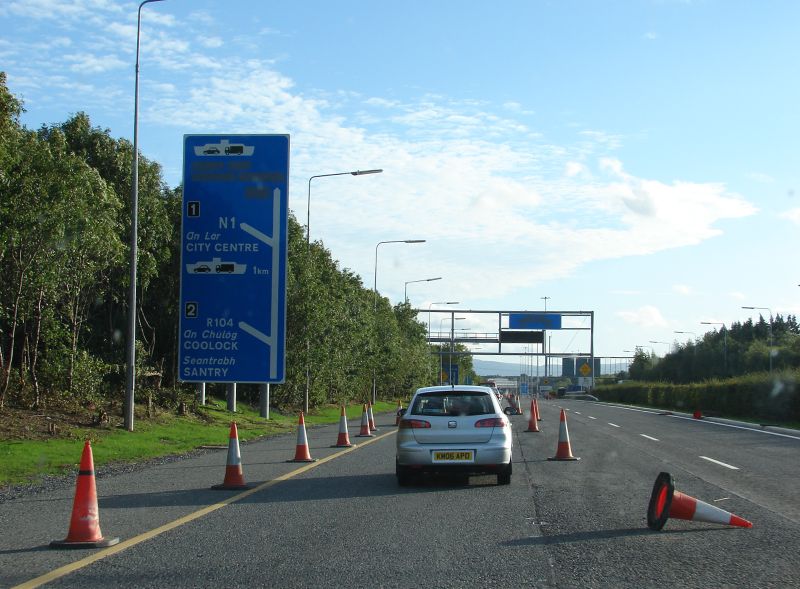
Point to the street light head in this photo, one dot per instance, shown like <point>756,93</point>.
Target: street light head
<point>432,279</point>
<point>413,241</point>
<point>362,172</point>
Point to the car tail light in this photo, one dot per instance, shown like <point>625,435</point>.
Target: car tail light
<point>491,422</point>
<point>414,424</point>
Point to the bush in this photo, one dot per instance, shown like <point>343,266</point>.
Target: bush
<point>763,396</point>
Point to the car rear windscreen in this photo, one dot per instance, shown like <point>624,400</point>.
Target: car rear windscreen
<point>453,403</point>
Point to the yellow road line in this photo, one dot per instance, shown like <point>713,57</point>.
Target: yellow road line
<point>84,562</point>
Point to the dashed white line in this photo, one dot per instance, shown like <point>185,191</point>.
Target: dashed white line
<point>577,412</point>
<point>720,463</point>
<point>590,417</point>
<point>613,424</point>
<point>650,437</point>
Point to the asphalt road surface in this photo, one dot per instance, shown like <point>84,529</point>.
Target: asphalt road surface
<point>344,522</point>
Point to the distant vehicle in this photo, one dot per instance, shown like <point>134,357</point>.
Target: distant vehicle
<point>202,268</point>
<point>225,268</point>
<point>458,429</point>
<point>561,391</point>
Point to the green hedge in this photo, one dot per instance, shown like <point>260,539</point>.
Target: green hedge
<point>763,396</point>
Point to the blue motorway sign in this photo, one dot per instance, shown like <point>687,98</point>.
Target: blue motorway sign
<point>534,321</point>
<point>234,258</point>
<point>453,378</point>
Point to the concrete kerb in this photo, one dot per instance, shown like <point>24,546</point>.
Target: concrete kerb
<point>745,424</point>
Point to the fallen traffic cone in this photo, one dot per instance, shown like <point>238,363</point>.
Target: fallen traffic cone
<point>343,441</point>
<point>372,426</point>
<point>666,502</point>
<point>365,433</point>
<point>399,413</point>
<point>84,525</point>
<point>536,405</point>
<point>564,450</point>
<point>301,453</point>
<point>234,478</point>
<point>697,414</point>
<point>533,423</point>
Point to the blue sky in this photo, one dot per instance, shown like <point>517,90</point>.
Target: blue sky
<point>638,159</point>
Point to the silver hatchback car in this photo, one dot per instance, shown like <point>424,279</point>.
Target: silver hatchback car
<point>454,429</point>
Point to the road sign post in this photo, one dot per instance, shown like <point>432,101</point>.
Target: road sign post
<point>234,258</point>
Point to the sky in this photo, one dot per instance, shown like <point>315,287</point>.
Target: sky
<point>638,159</point>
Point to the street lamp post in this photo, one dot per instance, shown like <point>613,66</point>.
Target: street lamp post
<point>770,330</point>
<point>375,299</point>
<point>429,312</point>
<point>724,344</point>
<point>308,247</point>
<point>130,352</point>
<point>308,205</point>
<point>405,288</point>
<point>687,333</point>
<point>665,343</point>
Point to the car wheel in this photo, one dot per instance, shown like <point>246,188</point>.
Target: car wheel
<point>504,476</point>
<point>403,476</point>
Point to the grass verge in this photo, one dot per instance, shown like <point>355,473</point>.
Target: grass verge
<point>27,461</point>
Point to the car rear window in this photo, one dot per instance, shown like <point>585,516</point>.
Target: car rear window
<point>453,403</point>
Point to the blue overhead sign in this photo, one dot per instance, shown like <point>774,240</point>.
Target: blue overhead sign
<point>534,321</point>
<point>234,258</point>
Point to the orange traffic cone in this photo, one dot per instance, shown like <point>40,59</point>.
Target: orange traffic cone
<point>564,450</point>
<point>533,423</point>
<point>666,502</point>
<point>536,405</point>
<point>84,525</point>
<point>371,415</point>
<point>301,453</point>
<point>399,413</point>
<point>343,441</point>
<point>234,478</point>
<point>365,432</point>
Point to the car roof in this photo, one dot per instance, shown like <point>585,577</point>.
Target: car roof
<point>460,387</point>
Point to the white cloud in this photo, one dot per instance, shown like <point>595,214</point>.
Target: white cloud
<point>682,289</point>
<point>88,63</point>
<point>650,36</point>
<point>572,169</point>
<point>211,42</point>
<point>647,316</point>
<point>760,177</point>
<point>792,215</point>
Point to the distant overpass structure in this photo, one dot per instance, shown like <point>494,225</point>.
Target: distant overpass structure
<point>525,334</point>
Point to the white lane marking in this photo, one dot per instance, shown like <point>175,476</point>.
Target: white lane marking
<point>650,437</point>
<point>660,412</point>
<point>577,412</point>
<point>720,463</point>
<point>590,417</point>
<point>614,424</point>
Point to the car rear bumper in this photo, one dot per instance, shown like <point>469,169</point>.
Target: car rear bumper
<point>421,457</point>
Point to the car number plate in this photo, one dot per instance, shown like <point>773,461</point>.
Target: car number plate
<point>453,456</point>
